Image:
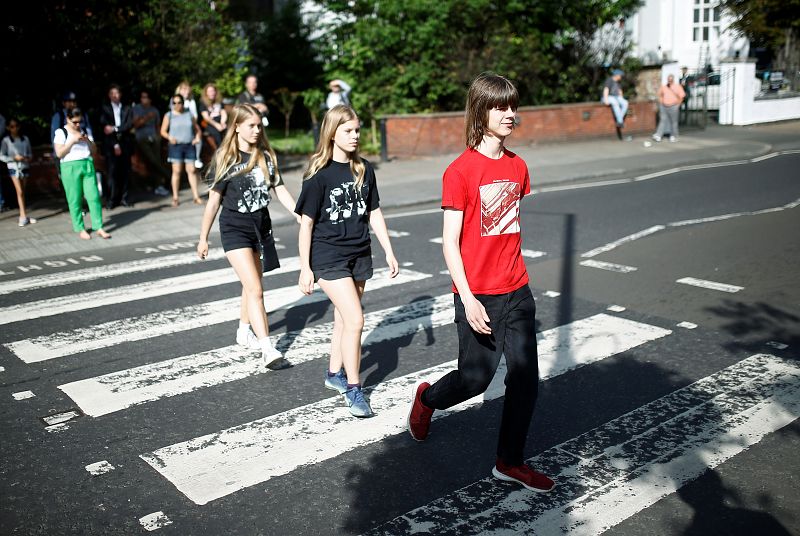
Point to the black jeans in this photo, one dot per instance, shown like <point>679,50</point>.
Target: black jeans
<point>512,319</point>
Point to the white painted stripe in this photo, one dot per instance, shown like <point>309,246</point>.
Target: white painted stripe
<point>687,325</point>
<point>532,253</point>
<point>128,293</point>
<point>412,213</point>
<point>616,470</point>
<point>99,468</point>
<point>630,238</point>
<point>102,272</point>
<point>778,345</point>
<point>120,390</point>
<point>615,308</point>
<point>713,285</point>
<point>610,266</point>
<point>552,294</point>
<point>217,464</point>
<point>437,240</point>
<point>94,337</point>
<point>22,395</point>
<point>58,418</point>
<point>155,521</point>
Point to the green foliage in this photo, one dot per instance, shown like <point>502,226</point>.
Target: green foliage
<point>285,100</point>
<point>420,55</point>
<point>774,24</point>
<point>313,98</point>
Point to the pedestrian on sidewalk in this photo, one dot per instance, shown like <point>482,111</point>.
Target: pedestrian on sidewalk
<point>184,89</point>
<point>250,95</point>
<point>494,308</point>
<point>242,172</point>
<point>339,94</point>
<point>75,148</point>
<point>670,97</point>
<point>213,114</point>
<point>338,203</point>
<point>180,128</point>
<point>16,152</point>
<point>117,120</point>
<point>146,121</point>
<point>612,96</point>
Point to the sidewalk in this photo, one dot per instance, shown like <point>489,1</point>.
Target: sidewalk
<point>401,183</point>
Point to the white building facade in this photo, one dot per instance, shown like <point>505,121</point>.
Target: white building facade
<point>693,33</point>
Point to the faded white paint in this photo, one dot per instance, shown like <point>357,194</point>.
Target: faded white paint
<point>58,418</point>
<point>686,324</point>
<point>712,285</point>
<point>630,238</point>
<point>116,391</point>
<point>155,521</point>
<point>615,308</point>
<point>22,395</point>
<point>217,464</point>
<point>609,266</point>
<point>99,468</point>
<point>108,334</point>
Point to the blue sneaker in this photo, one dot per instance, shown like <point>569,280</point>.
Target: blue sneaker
<point>336,383</point>
<point>359,406</point>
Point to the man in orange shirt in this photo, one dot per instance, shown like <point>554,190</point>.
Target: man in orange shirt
<point>670,97</point>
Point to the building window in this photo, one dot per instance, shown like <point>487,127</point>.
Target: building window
<point>706,18</point>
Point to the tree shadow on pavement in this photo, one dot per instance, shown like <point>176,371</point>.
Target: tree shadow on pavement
<point>755,325</point>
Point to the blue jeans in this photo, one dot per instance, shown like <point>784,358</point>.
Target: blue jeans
<point>619,106</point>
<point>512,319</point>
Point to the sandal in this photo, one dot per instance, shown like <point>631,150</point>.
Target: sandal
<point>83,235</point>
<point>174,201</point>
<point>102,234</point>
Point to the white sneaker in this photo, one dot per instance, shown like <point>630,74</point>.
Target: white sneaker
<point>673,139</point>
<point>248,339</point>
<point>198,164</point>
<point>26,221</point>
<point>656,138</point>
<point>273,359</point>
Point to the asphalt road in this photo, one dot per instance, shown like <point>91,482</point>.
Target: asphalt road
<point>673,413</point>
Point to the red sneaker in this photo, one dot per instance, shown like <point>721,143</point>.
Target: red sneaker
<point>522,474</point>
<point>419,416</point>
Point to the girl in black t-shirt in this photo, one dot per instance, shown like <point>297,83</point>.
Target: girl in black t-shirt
<point>338,203</point>
<point>243,171</point>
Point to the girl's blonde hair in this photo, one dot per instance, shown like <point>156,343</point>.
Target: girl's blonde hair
<point>486,92</point>
<point>341,113</point>
<point>204,96</point>
<point>183,83</point>
<point>228,156</point>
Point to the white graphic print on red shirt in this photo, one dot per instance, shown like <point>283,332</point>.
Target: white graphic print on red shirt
<point>500,208</point>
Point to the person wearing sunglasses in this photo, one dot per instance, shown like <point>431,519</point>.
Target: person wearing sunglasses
<point>180,128</point>
<point>75,148</point>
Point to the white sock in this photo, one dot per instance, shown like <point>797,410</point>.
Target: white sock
<point>243,326</point>
<point>266,344</point>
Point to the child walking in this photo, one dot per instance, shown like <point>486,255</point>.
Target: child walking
<point>242,172</point>
<point>338,203</point>
<point>494,307</point>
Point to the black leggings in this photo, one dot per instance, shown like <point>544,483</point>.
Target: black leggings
<point>512,319</point>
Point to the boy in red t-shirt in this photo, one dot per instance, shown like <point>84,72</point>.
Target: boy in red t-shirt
<point>495,311</point>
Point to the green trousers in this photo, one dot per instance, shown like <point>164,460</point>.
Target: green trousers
<point>79,180</point>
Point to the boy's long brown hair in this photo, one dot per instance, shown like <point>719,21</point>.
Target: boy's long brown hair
<point>487,91</point>
<point>228,156</point>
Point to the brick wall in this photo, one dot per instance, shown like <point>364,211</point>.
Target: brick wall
<point>433,134</point>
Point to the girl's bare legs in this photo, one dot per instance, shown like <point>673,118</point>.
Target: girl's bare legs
<point>191,172</point>
<point>345,294</point>
<point>246,264</point>
<point>19,186</point>
<point>176,181</point>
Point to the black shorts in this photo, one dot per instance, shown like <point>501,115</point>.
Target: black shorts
<point>251,231</point>
<point>359,268</point>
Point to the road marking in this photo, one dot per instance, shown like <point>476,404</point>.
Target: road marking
<point>23,395</point>
<point>778,345</point>
<point>552,294</point>
<point>155,521</point>
<point>610,266</point>
<point>616,470</point>
<point>437,240</point>
<point>128,293</point>
<point>630,238</point>
<point>530,253</point>
<point>115,332</point>
<point>615,308</point>
<point>218,464</point>
<point>687,325</point>
<point>58,418</point>
<point>713,285</point>
<point>99,468</point>
<point>102,272</point>
<point>116,391</point>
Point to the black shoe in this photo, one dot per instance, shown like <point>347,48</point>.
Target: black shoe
<point>279,364</point>
<point>126,204</point>
<point>110,206</point>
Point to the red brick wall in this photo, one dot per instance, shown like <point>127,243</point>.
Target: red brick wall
<point>432,134</point>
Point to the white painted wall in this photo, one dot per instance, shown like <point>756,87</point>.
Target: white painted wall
<point>738,80</point>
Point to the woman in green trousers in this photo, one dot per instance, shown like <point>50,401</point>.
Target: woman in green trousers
<point>74,148</point>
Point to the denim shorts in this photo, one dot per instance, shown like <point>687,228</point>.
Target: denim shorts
<point>358,268</point>
<point>180,153</point>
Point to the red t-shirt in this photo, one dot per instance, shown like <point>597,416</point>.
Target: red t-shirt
<point>488,192</point>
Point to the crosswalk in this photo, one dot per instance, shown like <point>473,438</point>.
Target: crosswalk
<point>717,417</point>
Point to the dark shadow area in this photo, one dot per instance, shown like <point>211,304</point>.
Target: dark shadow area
<point>713,516</point>
<point>384,353</point>
<point>296,319</point>
<point>755,325</point>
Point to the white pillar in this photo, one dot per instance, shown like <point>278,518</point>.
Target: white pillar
<point>736,94</point>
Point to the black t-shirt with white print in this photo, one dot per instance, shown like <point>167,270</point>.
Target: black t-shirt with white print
<point>340,213</point>
<point>246,192</point>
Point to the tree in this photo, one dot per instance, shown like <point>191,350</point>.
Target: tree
<point>774,24</point>
<point>285,101</point>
